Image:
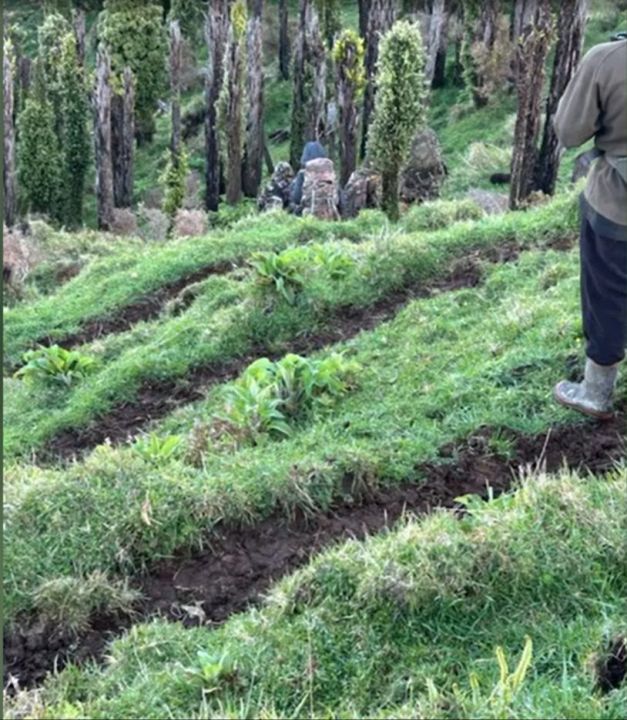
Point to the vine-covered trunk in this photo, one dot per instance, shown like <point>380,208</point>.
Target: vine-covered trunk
<point>253,162</point>
<point>389,194</point>
<point>123,140</point>
<point>532,49</point>
<point>78,24</point>
<point>102,137</point>
<point>570,31</point>
<point>9,140</point>
<point>380,20</point>
<point>309,83</point>
<point>215,34</point>
<point>284,40</point>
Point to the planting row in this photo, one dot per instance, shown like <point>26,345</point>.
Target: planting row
<point>300,293</point>
<point>128,285</point>
<point>432,375</point>
<point>515,610</point>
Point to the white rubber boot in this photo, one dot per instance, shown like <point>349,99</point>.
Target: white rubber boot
<point>593,396</point>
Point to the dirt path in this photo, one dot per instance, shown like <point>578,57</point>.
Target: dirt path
<point>241,563</point>
<point>155,400</point>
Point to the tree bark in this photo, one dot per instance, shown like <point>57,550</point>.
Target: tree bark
<point>122,140</point>
<point>268,158</point>
<point>348,115</point>
<point>532,49</point>
<point>9,138</point>
<point>284,41</point>
<point>437,38</point>
<point>215,34</point>
<point>570,31</point>
<point>380,20</point>
<point>78,23</point>
<point>364,9</point>
<point>102,135</point>
<point>253,162</point>
<point>233,117</point>
<point>176,62</point>
<point>309,83</point>
<point>389,194</point>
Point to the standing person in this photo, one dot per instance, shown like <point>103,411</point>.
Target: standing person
<point>594,105</point>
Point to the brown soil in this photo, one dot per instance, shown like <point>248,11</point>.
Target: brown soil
<point>145,308</point>
<point>156,399</point>
<point>241,563</point>
<point>611,668</point>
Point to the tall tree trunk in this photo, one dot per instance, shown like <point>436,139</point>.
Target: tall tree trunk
<point>364,9</point>
<point>380,20</point>
<point>284,40</point>
<point>122,140</point>
<point>9,137</point>
<point>215,33</point>
<point>102,135</point>
<point>347,69</point>
<point>78,23</point>
<point>176,62</point>
<point>570,32</point>
<point>309,83</point>
<point>253,162</point>
<point>437,36</point>
<point>532,49</point>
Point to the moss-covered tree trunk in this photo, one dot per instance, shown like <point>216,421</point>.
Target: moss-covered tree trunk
<point>284,40</point>
<point>348,56</point>
<point>216,30</point>
<point>309,83</point>
<point>8,72</point>
<point>102,138</point>
<point>532,49</point>
<point>231,102</point>
<point>570,32</point>
<point>253,163</point>
<point>380,20</point>
<point>123,140</point>
<point>389,194</point>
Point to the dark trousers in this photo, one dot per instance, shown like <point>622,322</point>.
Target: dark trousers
<point>603,295</point>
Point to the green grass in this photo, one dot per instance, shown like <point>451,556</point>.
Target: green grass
<point>226,321</point>
<point>405,624</point>
<point>432,375</point>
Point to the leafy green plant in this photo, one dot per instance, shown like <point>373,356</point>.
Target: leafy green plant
<point>270,396</point>
<point>55,364</point>
<point>156,449</point>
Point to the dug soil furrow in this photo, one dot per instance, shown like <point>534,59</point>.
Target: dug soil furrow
<point>145,308</point>
<point>240,563</point>
<point>155,400</point>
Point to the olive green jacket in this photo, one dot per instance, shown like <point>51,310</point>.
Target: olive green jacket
<point>594,104</point>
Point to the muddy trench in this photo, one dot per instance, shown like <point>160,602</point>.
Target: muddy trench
<point>240,563</point>
<point>154,400</point>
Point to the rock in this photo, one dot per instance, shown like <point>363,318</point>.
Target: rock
<point>425,171</point>
<point>278,188</point>
<point>492,203</point>
<point>320,194</point>
<point>362,191</point>
<point>190,223</point>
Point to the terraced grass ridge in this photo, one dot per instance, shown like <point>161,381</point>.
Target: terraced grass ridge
<point>508,611</point>
<point>228,323</point>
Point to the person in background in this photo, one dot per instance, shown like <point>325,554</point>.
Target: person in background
<point>311,151</point>
<point>594,105</point>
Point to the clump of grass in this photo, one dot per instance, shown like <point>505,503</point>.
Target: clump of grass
<point>72,602</point>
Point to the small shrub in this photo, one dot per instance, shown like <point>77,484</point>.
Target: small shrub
<point>157,450</point>
<point>55,364</point>
<point>271,396</point>
<point>174,182</point>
